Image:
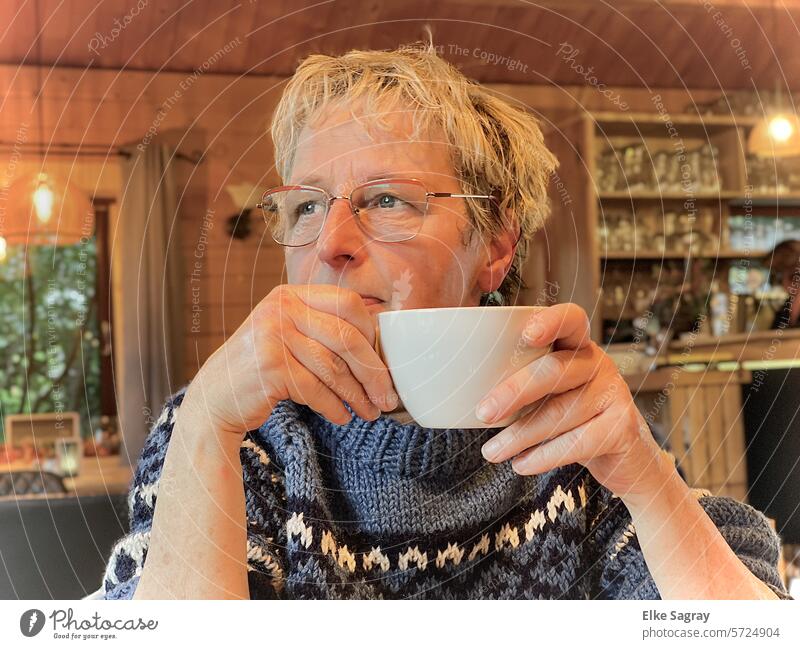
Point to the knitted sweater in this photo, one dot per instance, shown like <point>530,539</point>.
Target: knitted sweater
<point>389,510</point>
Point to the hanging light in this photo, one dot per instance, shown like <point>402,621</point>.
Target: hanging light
<point>45,209</point>
<point>3,250</point>
<point>780,128</point>
<point>43,199</point>
<point>42,208</point>
<point>777,136</point>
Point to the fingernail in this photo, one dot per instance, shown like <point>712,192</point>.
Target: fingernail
<point>533,330</point>
<point>491,448</point>
<point>487,410</point>
<point>390,401</point>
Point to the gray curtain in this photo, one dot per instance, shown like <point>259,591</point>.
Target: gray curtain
<point>149,353</point>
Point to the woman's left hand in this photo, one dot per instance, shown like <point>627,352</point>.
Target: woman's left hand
<point>585,412</point>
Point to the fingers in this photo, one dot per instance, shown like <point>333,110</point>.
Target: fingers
<point>563,450</point>
<point>553,373</point>
<point>348,343</point>
<point>305,388</point>
<point>551,417</point>
<point>581,444</point>
<point>565,325</point>
<point>333,371</point>
<point>339,302</point>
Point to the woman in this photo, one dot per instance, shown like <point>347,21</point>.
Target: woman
<point>784,267</point>
<point>407,187</point>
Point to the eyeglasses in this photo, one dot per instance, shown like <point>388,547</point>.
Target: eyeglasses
<point>388,210</point>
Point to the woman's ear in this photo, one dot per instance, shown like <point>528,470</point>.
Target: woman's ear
<point>500,255</point>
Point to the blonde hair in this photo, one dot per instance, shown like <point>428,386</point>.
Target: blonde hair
<point>497,148</point>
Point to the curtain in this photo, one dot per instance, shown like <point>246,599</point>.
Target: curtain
<point>148,309</point>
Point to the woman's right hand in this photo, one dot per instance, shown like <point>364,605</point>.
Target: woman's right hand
<point>311,343</point>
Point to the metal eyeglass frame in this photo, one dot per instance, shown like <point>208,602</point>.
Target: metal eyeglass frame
<point>354,210</point>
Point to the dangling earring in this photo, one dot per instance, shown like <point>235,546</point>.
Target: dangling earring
<point>495,298</point>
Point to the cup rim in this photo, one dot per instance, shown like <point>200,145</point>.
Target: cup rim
<point>463,308</point>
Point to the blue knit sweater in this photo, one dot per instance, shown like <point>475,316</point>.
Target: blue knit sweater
<point>389,510</point>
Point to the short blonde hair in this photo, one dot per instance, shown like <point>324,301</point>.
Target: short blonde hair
<point>496,147</point>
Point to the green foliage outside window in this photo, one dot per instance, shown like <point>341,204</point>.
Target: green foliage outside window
<point>49,333</point>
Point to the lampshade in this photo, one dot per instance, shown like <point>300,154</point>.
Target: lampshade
<point>244,195</point>
<point>45,209</point>
<point>777,136</point>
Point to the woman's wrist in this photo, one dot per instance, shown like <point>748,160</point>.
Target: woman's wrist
<point>684,550</point>
<point>198,424</point>
<point>663,482</point>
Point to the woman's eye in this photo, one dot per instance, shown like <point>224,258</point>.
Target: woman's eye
<point>305,209</point>
<point>387,200</point>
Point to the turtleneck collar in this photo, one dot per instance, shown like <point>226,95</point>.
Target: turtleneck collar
<point>388,446</point>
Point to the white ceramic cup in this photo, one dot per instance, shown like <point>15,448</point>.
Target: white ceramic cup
<point>444,361</point>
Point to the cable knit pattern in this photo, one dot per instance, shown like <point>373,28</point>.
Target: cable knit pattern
<point>389,510</point>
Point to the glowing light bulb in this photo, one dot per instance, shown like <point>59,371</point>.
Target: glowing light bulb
<point>3,249</point>
<point>780,129</point>
<point>43,200</point>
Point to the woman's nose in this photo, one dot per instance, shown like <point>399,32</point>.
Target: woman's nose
<point>341,239</point>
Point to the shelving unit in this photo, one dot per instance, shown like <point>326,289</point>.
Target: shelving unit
<point>665,197</point>
<point>699,414</point>
<point>570,244</point>
<point>654,255</point>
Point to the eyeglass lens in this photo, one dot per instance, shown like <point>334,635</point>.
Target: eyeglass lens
<point>389,212</point>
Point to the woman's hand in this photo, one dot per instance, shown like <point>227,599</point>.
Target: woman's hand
<point>309,343</point>
<point>584,410</point>
<point>313,344</point>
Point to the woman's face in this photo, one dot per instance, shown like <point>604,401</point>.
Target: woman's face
<point>432,269</point>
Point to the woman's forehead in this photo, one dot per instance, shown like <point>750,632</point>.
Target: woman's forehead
<point>340,148</point>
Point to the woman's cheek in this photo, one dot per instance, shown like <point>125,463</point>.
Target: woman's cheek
<point>298,267</point>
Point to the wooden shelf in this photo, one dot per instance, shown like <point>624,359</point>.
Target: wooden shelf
<point>654,255</point>
<point>669,196</point>
<point>652,124</point>
<point>767,200</point>
<point>711,119</point>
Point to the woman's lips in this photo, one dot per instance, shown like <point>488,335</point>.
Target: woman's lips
<point>369,300</point>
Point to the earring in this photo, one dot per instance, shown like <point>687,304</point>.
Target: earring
<point>495,298</point>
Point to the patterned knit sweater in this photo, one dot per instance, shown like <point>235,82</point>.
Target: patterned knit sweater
<point>389,510</point>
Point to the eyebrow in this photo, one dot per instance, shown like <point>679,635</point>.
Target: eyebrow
<point>320,182</point>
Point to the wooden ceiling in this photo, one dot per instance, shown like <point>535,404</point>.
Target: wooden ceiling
<point>641,43</point>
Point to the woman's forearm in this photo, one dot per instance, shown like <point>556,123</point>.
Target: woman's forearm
<point>198,541</point>
<point>685,552</point>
